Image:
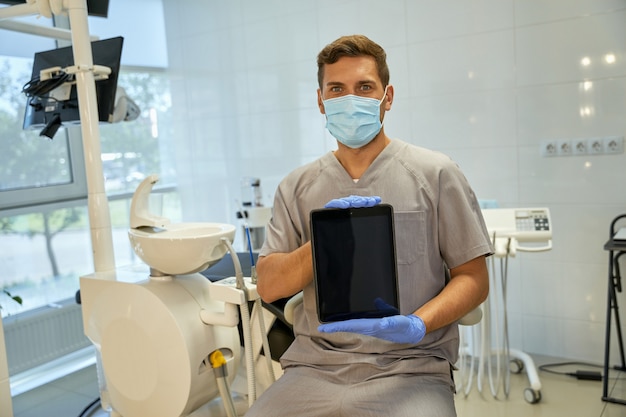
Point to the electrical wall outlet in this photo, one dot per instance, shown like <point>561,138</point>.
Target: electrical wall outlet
<point>579,146</point>
<point>548,148</point>
<point>564,147</point>
<point>607,145</point>
<point>595,146</point>
<point>613,144</point>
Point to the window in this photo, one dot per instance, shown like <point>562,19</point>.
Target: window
<point>132,150</point>
<point>29,162</point>
<point>48,245</point>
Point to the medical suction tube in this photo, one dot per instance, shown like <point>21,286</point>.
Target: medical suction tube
<point>218,362</point>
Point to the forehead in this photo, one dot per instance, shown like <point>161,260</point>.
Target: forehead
<point>349,70</point>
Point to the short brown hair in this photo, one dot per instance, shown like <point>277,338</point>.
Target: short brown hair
<point>354,45</point>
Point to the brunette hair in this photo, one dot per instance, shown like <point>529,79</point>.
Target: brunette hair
<point>353,46</point>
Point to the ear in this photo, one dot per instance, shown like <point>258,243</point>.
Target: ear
<point>320,103</point>
<point>388,98</point>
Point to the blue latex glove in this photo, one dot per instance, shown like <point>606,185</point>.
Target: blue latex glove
<point>398,329</point>
<point>354,201</point>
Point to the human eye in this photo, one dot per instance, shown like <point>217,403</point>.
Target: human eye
<point>366,89</point>
<point>333,90</point>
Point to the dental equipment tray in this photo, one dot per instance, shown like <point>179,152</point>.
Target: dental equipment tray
<point>354,262</point>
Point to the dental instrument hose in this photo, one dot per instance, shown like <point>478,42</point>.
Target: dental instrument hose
<point>218,362</point>
<point>266,344</point>
<point>252,265</point>
<point>502,352</point>
<point>258,306</point>
<point>245,324</point>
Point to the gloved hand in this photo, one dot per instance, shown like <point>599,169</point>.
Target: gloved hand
<point>354,201</point>
<point>398,329</point>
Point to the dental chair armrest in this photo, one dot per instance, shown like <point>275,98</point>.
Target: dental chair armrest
<point>472,318</point>
<point>277,308</point>
<point>293,302</point>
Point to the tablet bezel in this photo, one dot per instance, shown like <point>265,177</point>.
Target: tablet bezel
<point>384,250</point>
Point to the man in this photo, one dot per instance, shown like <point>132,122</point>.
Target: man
<point>396,366</point>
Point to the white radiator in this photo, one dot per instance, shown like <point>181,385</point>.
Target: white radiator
<point>40,336</point>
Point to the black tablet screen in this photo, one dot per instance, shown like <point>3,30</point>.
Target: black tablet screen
<point>354,262</point>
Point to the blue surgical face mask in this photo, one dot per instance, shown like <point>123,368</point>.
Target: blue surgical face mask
<point>353,120</point>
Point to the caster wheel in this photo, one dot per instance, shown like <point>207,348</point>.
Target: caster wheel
<point>516,366</point>
<point>531,396</point>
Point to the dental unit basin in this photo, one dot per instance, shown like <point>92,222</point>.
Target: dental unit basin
<point>173,249</point>
<point>182,248</point>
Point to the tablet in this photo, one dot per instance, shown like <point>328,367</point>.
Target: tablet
<point>354,262</point>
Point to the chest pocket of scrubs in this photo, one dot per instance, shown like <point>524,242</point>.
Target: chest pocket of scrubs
<point>410,230</point>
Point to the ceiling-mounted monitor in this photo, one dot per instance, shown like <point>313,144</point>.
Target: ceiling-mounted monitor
<point>52,93</point>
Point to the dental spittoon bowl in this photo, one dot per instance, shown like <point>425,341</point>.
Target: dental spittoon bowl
<point>173,248</point>
<point>181,248</point>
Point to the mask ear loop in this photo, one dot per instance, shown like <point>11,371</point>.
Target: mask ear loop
<point>382,122</point>
<point>384,96</point>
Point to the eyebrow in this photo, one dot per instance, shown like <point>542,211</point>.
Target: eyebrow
<point>340,84</point>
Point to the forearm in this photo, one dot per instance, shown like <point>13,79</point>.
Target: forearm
<point>467,289</point>
<point>282,275</point>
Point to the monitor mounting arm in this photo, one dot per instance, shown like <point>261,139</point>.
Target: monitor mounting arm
<point>99,215</point>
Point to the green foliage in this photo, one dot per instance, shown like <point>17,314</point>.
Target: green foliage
<point>6,224</point>
<point>26,158</point>
<point>15,298</point>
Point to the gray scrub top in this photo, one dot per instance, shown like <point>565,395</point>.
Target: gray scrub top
<point>437,218</point>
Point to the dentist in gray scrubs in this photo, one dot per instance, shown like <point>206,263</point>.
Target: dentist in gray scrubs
<point>397,366</point>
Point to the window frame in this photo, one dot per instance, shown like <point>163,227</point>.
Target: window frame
<point>76,189</point>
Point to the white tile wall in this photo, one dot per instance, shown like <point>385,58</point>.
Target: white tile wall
<point>485,81</point>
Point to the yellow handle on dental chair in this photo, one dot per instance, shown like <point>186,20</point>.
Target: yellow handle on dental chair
<point>217,359</point>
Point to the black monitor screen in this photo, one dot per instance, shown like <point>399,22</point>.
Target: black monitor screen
<point>42,108</point>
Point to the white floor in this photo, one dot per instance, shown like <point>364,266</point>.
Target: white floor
<point>561,396</point>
